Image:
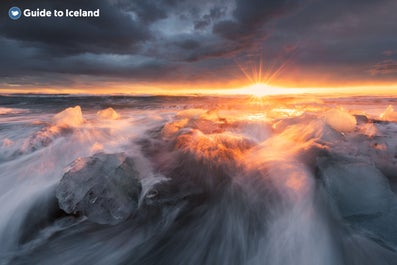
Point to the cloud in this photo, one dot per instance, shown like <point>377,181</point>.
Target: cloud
<point>385,67</point>
<point>189,40</point>
<point>249,16</point>
<point>113,32</point>
<point>212,16</point>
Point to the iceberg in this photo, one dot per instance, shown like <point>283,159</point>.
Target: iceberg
<point>104,187</point>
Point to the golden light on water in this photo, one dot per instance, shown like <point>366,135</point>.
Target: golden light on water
<point>259,90</point>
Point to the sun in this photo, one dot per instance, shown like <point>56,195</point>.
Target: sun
<point>259,90</point>
<point>259,77</point>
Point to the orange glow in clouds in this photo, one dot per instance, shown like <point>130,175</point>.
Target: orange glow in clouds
<point>256,89</point>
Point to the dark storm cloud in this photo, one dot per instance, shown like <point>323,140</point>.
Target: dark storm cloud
<point>113,31</point>
<point>135,28</point>
<point>184,40</point>
<point>113,65</point>
<point>341,31</point>
<point>214,14</point>
<point>251,15</point>
<point>188,44</point>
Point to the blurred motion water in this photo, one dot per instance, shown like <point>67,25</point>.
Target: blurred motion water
<point>197,180</point>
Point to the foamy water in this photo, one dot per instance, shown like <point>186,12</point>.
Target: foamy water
<point>292,180</point>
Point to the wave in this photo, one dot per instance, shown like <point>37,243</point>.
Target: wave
<point>7,111</point>
<point>288,182</point>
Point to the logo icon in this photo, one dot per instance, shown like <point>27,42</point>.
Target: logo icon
<point>14,13</point>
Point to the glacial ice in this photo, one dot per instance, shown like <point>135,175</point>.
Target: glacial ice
<point>108,114</point>
<point>70,117</point>
<point>340,120</point>
<point>358,188</point>
<point>103,187</point>
<point>389,114</point>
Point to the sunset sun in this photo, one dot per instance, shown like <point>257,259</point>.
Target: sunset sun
<point>260,90</point>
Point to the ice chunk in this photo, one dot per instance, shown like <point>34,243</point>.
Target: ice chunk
<point>206,126</point>
<point>361,119</point>
<point>340,120</point>
<point>70,117</point>
<point>108,114</point>
<point>369,129</point>
<point>172,128</point>
<point>389,114</point>
<point>209,161</point>
<point>357,188</point>
<point>104,187</point>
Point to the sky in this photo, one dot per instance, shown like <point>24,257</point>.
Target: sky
<point>171,46</point>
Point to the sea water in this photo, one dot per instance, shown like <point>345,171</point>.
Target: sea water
<point>223,180</point>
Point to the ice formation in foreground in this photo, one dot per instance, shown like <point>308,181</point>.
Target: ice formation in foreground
<point>103,187</point>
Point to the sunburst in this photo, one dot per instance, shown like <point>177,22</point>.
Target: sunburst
<point>261,76</point>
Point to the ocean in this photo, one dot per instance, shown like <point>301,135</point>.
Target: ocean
<point>283,180</point>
